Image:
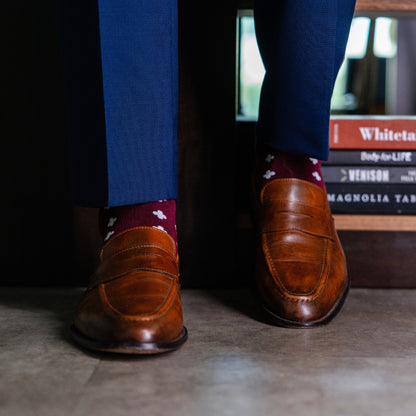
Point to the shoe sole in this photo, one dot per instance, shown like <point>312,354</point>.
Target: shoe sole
<point>282,322</point>
<point>133,348</point>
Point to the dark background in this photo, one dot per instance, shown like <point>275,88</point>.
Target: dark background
<point>47,242</point>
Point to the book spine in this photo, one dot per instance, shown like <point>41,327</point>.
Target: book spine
<point>365,174</point>
<point>371,157</point>
<point>371,198</point>
<point>380,133</point>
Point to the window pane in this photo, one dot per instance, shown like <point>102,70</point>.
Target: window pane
<point>251,70</point>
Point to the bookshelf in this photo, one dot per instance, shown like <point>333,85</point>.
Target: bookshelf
<point>379,248</point>
<point>394,8</point>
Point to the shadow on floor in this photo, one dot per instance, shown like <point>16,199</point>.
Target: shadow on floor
<point>61,303</point>
<point>242,300</point>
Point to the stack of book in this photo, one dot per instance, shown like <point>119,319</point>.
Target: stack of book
<point>372,165</point>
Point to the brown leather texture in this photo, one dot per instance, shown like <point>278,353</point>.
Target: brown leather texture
<point>133,297</point>
<point>301,272</point>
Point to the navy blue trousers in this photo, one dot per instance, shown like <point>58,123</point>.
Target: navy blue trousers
<point>120,70</point>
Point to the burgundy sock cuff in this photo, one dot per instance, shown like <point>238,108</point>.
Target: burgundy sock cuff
<point>274,164</point>
<point>158,214</point>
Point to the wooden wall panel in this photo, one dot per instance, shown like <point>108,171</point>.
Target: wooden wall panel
<point>380,258</point>
<point>206,142</point>
<point>36,243</point>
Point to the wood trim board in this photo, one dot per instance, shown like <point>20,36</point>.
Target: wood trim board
<point>375,222</point>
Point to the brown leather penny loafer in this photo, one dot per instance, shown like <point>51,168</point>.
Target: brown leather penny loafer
<point>301,273</point>
<point>132,304</point>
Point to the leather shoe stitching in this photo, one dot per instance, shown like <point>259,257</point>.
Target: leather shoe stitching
<point>140,228</point>
<point>294,180</point>
<point>297,201</point>
<point>289,211</point>
<point>140,248</point>
<point>282,230</point>
<point>136,269</point>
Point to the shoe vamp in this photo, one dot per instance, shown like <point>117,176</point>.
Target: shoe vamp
<point>297,260</point>
<point>139,293</point>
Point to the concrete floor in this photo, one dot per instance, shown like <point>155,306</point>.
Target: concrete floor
<point>363,363</point>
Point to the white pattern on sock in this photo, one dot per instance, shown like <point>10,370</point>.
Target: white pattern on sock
<point>108,235</point>
<point>111,221</point>
<point>160,214</point>
<point>160,228</point>
<point>269,174</point>
<point>314,161</point>
<point>269,158</point>
<point>316,176</point>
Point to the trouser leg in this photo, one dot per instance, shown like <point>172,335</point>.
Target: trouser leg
<point>302,44</point>
<point>120,72</point>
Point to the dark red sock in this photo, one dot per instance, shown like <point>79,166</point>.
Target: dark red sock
<point>159,214</point>
<point>273,164</point>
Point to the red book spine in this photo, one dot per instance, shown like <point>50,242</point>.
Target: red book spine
<point>377,132</point>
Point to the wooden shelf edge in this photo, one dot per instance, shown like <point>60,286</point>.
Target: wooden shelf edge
<point>375,222</point>
<point>347,222</point>
<point>386,5</point>
<point>400,7</point>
